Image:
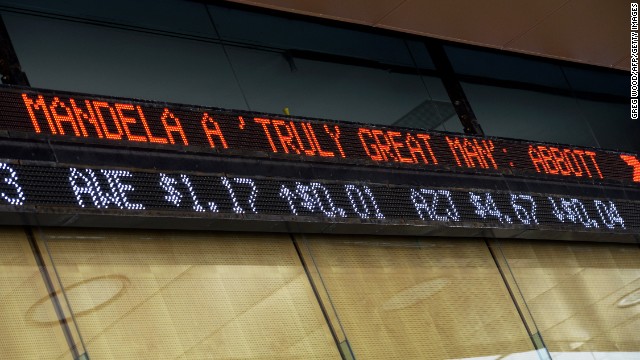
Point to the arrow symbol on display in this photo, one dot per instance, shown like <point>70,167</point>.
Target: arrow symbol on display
<point>635,163</point>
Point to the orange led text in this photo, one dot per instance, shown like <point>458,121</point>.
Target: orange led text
<point>394,146</point>
<point>472,153</point>
<point>114,121</point>
<point>293,138</point>
<point>565,162</point>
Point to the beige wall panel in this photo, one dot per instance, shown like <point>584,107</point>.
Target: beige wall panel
<point>582,296</point>
<point>189,295</point>
<point>418,299</point>
<point>25,331</point>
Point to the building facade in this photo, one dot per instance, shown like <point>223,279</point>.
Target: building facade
<point>96,269</point>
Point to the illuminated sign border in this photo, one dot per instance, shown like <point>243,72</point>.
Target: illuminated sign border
<point>51,188</point>
<point>126,123</point>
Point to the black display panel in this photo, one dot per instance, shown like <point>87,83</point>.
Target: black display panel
<point>130,123</point>
<point>51,188</point>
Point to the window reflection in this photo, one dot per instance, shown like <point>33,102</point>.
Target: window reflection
<point>583,296</point>
<point>102,289</point>
<point>21,285</point>
<point>313,70</point>
<point>162,295</point>
<point>402,298</point>
<point>340,92</point>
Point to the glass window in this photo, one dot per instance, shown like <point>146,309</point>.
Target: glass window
<point>584,297</point>
<point>612,124</point>
<point>597,81</point>
<point>282,32</point>
<point>29,328</point>
<point>536,99</point>
<point>170,16</point>
<point>162,295</point>
<point>260,62</point>
<point>529,115</point>
<point>493,65</point>
<point>338,91</point>
<point>325,71</point>
<point>411,298</point>
<point>73,56</point>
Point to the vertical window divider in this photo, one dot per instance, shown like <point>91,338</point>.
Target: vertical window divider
<point>344,348</point>
<point>534,333</point>
<point>53,296</point>
<point>454,89</point>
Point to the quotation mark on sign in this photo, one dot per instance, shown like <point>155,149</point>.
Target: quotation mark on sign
<point>635,163</point>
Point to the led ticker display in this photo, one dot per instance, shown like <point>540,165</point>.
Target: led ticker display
<point>124,122</point>
<point>82,190</point>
